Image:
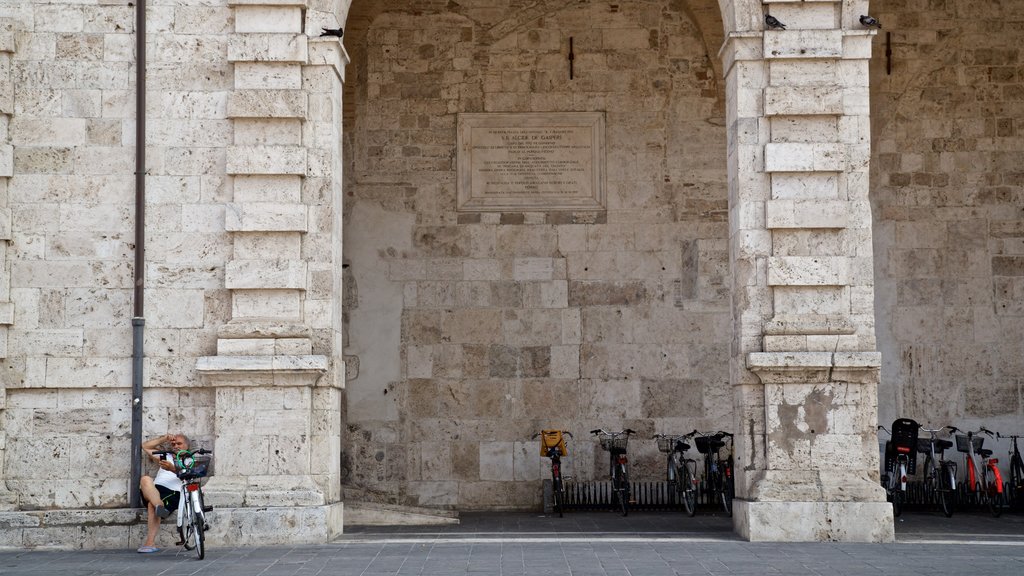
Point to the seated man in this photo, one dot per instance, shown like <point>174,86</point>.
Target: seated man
<point>161,493</point>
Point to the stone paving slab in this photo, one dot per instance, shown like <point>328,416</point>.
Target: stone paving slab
<point>553,558</point>
<point>520,544</point>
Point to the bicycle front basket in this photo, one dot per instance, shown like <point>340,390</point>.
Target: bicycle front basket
<point>962,443</point>
<point>614,443</point>
<point>666,443</point>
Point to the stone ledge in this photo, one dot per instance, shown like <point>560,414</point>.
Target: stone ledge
<point>373,514</point>
<point>213,365</point>
<point>125,527</point>
<point>331,52</point>
<point>812,367</point>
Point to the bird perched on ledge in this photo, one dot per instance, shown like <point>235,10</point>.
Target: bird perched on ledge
<point>773,22</point>
<point>338,32</point>
<point>869,22</point>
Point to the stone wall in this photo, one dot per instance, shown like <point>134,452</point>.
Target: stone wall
<point>67,153</point>
<point>948,197</point>
<point>472,331</point>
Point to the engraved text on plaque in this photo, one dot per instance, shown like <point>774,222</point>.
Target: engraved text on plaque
<point>531,162</point>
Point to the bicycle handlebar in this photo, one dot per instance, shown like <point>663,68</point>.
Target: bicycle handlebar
<point>998,435</point>
<point>176,452</point>
<point>719,433</point>
<point>954,429</point>
<point>627,432</point>
<point>566,432</point>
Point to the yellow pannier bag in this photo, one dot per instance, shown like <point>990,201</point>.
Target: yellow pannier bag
<point>549,438</point>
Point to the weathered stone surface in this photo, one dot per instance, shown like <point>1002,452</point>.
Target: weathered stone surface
<point>267,103</point>
<point>266,160</point>
<point>263,47</point>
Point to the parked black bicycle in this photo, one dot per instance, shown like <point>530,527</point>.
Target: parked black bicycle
<point>680,471</point>
<point>719,484</point>
<point>615,443</point>
<point>552,445</point>
<point>939,474</point>
<point>900,460</point>
<point>1016,471</point>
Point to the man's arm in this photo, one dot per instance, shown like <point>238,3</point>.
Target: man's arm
<point>149,446</point>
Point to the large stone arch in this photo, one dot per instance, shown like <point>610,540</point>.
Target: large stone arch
<point>803,361</point>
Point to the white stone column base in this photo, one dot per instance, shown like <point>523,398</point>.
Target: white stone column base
<point>260,491</point>
<point>813,521</point>
<point>275,525</point>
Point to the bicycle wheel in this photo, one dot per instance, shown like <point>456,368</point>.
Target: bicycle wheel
<point>725,492</point>
<point>687,493</point>
<point>946,490</point>
<point>622,488</point>
<point>993,497</point>
<point>1016,480</point>
<point>896,493</point>
<point>185,531</point>
<point>197,526</point>
<point>556,489</point>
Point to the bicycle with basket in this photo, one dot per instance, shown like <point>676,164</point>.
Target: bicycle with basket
<point>718,478</point>
<point>680,471</point>
<point>192,467</point>
<point>552,445</point>
<point>615,443</point>
<point>983,478</point>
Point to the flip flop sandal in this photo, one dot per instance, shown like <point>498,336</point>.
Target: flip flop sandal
<point>148,549</point>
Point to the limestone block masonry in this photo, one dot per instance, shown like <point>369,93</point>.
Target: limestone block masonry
<point>801,232</point>
<point>242,342</point>
<point>278,417</point>
<point>6,171</point>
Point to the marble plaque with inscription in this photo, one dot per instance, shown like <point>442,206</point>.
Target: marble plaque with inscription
<point>531,162</point>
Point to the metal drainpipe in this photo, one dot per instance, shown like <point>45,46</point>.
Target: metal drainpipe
<point>138,316</point>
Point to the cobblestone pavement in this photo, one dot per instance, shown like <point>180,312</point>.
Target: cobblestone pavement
<point>587,544</point>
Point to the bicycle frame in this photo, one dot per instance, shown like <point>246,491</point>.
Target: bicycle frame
<point>717,470</point>
<point>557,480</point>
<point>895,480</point>
<point>979,466</point>
<point>1016,468</point>
<point>680,471</point>
<point>940,474</point>
<point>191,513</point>
<point>618,463</point>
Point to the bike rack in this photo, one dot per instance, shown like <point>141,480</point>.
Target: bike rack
<point>598,495</point>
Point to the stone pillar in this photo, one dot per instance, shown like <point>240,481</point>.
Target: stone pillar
<point>278,417</point>
<point>7,499</point>
<point>805,370</point>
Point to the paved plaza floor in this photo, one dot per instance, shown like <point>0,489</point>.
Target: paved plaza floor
<point>580,544</point>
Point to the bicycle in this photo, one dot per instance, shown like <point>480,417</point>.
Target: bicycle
<point>718,480</point>
<point>680,471</point>
<point>552,445</point>
<point>939,474</point>
<point>615,443</point>
<point>1016,470</point>
<point>191,520</point>
<point>987,491</point>
<point>900,460</point>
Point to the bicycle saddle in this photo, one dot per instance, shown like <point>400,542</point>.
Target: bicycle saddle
<point>984,452</point>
